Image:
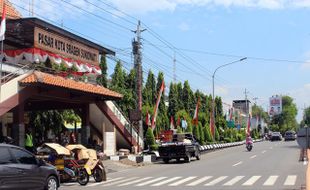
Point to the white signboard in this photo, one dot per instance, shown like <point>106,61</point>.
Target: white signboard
<point>110,141</point>
<point>275,107</point>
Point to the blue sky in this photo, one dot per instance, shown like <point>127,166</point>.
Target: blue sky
<point>202,34</point>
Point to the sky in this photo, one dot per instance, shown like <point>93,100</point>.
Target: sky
<point>201,35</point>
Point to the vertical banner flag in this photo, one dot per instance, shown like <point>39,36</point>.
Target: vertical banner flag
<point>171,123</point>
<point>195,118</point>
<point>178,122</point>
<point>3,25</point>
<point>147,119</point>
<point>157,104</point>
<point>231,111</point>
<point>249,126</point>
<point>212,126</point>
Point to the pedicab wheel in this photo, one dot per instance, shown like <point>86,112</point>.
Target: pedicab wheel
<point>51,183</point>
<point>83,177</point>
<point>98,174</point>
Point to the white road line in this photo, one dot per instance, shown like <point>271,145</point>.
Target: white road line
<point>199,181</point>
<point>263,151</point>
<point>215,181</point>
<point>290,180</point>
<point>121,181</point>
<point>253,156</point>
<point>251,181</point>
<point>233,180</point>
<point>271,180</point>
<point>182,181</point>
<point>237,164</point>
<point>104,182</point>
<point>151,181</point>
<point>135,181</point>
<point>166,181</point>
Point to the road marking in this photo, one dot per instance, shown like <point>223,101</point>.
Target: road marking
<point>121,181</point>
<point>104,182</point>
<point>215,181</point>
<point>263,151</point>
<point>152,181</point>
<point>290,180</point>
<point>251,181</point>
<point>253,156</point>
<point>135,181</point>
<point>199,181</point>
<point>233,180</point>
<point>182,181</point>
<point>271,180</point>
<point>166,181</point>
<point>237,164</point>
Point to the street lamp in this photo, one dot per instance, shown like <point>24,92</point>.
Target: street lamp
<point>213,100</point>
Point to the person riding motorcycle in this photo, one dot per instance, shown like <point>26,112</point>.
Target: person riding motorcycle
<point>249,142</point>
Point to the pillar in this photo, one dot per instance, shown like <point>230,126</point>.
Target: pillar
<point>18,128</point>
<point>85,131</point>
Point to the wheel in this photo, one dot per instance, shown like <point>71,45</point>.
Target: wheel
<point>166,160</point>
<point>98,174</point>
<point>178,160</point>
<point>187,158</point>
<point>82,177</point>
<point>198,155</point>
<point>51,183</point>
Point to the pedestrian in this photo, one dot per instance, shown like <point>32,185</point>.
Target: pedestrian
<point>29,140</point>
<point>72,138</point>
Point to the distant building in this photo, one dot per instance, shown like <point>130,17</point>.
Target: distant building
<point>243,105</point>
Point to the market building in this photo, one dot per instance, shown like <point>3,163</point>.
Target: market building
<point>45,67</point>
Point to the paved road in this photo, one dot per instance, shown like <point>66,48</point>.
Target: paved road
<point>270,165</point>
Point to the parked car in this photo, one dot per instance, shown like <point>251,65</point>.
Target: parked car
<point>290,136</point>
<point>19,169</point>
<point>276,136</point>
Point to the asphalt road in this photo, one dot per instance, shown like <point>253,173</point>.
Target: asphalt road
<point>270,165</point>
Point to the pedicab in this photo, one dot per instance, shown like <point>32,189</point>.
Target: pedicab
<point>66,165</point>
<point>88,158</point>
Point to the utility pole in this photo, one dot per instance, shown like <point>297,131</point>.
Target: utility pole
<point>246,101</point>
<point>255,100</point>
<point>174,69</point>
<point>136,48</point>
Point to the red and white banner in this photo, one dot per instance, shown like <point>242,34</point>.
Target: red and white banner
<point>3,24</point>
<point>248,131</point>
<point>147,119</point>
<point>195,118</point>
<point>212,130</point>
<point>35,55</point>
<point>157,104</point>
<point>171,123</point>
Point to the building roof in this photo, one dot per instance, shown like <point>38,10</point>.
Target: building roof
<point>11,12</point>
<point>37,78</point>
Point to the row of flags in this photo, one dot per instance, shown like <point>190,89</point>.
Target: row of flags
<point>3,23</point>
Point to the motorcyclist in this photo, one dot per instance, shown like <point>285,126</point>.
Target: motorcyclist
<point>248,140</point>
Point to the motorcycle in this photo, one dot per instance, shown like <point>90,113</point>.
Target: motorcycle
<point>249,146</point>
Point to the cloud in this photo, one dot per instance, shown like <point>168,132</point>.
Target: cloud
<point>305,65</point>
<point>184,26</point>
<point>301,98</point>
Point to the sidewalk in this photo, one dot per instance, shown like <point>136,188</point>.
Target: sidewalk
<point>124,164</point>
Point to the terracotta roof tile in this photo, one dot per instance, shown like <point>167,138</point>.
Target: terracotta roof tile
<point>11,12</point>
<point>49,79</point>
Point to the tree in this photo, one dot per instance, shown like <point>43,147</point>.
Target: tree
<point>207,133</point>
<point>259,111</point>
<point>149,90</point>
<point>306,119</point>
<point>173,100</point>
<point>180,96</point>
<point>102,79</point>
<point>201,132</point>
<point>188,98</point>
<point>149,137</point>
<point>287,119</point>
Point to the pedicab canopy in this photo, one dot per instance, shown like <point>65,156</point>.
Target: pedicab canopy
<point>81,150</point>
<point>60,150</point>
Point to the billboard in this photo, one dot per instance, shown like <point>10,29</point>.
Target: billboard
<point>275,105</point>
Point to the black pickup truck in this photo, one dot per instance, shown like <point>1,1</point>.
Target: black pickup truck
<point>183,145</point>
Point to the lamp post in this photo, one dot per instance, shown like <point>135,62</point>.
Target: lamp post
<point>213,100</point>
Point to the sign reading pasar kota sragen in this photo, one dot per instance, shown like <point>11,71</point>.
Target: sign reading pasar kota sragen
<point>64,46</point>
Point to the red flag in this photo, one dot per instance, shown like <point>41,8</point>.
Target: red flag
<point>147,119</point>
<point>195,118</point>
<point>157,104</point>
<point>249,126</point>
<point>179,121</point>
<point>212,126</point>
<point>231,110</point>
<point>171,123</point>
<point>3,24</point>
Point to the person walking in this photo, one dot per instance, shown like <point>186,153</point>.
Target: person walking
<point>29,141</point>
